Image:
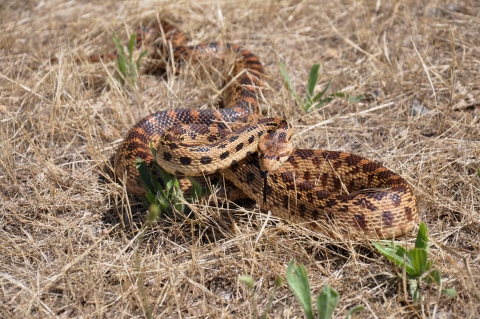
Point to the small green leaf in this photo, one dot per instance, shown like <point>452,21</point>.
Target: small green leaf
<point>150,196</point>
<point>422,237</point>
<point>278,281</point>
<point>298,281</point>
<point>450,292</point>
<point>397,254</point>
<point>354,310</point>
<point>144,173</point>
<point>355,99</point>
<point>323,102</point>
<point>153,213</point>
<point>140,57</point>
<point>197,189</point>
<point>247,280</point>
<point>414,292</point>
<point>433,277</point>
<point>319,95</point>
<point>179,207</point>
<point>312,81</point>
<point>164,175</point>
<point>327,301</point>
<point>155,183</point>
<point>170,184</point>
<point>288,82</point>
<point>153,150</point>
<point>131,47</point>
<point>419,257</point>
<point>339,94</point>
<point>121,59</point>
<point>163,204</point>
<point>429,265</point>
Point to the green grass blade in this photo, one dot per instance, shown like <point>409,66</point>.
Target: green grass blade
<point>312,82</point>
<point>354,310</point>
<point>418,257</point>
<point>414,291</point>
<point>298,281</point>
<point>288,82</point>
<point>355,99</point>
<point>247,280</point>
<point>121,59</point>
<point>319,95</point>
<point>153,150</point>
<point>429,265</point>
<point>131,47</point>
<point>140,57</point>
<point>452,293</point>
<point>322,102</point>
<point>433,277</point>
<point>396,254</point>
<point>151,198</point>
<point>327,301</point>
<point>197,189</point>
<point>144,173</point>
<point>422,237</point>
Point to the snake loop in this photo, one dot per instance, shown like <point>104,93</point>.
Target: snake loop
<point>317,188</point>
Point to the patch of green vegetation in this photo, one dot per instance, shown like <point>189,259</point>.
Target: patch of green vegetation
<point>297,280</point>
<point>310,100</point>
<point>127,68</point>
<point>167,198</point>
<point>415,264</point>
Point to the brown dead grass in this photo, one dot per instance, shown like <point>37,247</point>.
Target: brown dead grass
<point>65,252</point>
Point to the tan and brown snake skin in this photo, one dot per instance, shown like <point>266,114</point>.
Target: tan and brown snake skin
<point>317,188</point>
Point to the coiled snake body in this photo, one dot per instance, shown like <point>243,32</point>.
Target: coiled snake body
<point>317,188</point>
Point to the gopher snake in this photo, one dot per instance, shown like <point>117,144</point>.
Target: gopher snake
<point>312,187</point>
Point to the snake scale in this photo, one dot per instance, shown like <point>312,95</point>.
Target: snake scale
<point>317,188</point>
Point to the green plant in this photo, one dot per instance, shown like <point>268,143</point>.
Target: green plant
<point>415,263</point>
<point>166,197</point>
<point>127,68</point>
<point>248,280</point>
<point>297,280</point>
<point>326,301</point>
<point>311,101</point>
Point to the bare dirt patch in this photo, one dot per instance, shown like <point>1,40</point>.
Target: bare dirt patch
<point>65,249</point>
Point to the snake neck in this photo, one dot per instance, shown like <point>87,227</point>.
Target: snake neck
<point>195,150</point>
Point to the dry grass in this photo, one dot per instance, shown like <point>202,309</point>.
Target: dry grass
<point>65,252</point>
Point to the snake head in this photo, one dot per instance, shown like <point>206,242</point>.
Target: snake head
<point>272,154</point>
<point>275,148</point>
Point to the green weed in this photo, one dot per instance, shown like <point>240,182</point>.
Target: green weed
<point>326,301</point>
<point>415,263</point>
<point>311,101</point>
<point>167,198</point>
<point>297,280</point>
<point>127,68</point>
